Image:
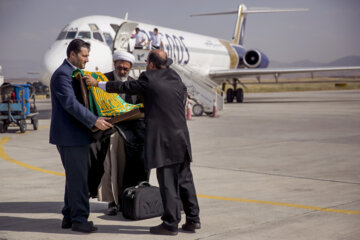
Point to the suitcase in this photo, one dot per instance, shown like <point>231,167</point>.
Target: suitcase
<point>141,202</point>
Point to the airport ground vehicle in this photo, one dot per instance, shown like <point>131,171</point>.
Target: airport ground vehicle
<point>15,107</point>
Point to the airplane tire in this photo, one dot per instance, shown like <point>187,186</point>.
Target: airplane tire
<point>229,95</point>
<point>239,95</point>
<point>198,109</point>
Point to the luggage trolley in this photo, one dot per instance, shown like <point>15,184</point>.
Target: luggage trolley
<point>15,106</point>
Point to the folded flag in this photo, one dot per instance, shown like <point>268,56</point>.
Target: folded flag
<point>102,103</point>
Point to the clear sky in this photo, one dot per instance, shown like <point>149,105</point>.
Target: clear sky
<point>328,31</point>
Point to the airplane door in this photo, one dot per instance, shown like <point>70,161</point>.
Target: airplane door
<point>123,37</point>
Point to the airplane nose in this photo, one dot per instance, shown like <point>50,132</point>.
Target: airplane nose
<point>53,58</point>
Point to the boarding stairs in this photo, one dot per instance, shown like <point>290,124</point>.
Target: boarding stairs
<point>202,91</point>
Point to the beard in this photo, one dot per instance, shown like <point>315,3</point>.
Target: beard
<point>118,78</point>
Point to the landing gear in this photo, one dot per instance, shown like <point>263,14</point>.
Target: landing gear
<point>239,95</point>
<point>234,92</point>
<point>229,95</point>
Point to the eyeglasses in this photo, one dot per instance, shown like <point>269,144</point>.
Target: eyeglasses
<point>122,68</point>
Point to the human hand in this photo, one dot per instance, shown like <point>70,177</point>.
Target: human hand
<point>102,123</point>
<point>90,81</point>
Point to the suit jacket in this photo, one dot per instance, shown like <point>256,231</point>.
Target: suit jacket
<point>129,98</point>
<point>70,120</point>
<point>167,138</point>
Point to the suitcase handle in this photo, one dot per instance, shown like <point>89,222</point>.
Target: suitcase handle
<point>143,184</point>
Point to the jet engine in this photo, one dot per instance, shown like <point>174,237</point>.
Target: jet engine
<point>255,59</point>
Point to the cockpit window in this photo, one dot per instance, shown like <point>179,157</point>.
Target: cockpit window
<point>61,36</point>
<point>93,27</point>
<point>108,39</point>
<point>71,35</point>
<point>84,35</point>
<point>98,36</point>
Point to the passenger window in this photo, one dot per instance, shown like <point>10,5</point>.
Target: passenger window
<point>71,35</point>
<point>98,36</point>
<point>84,35</point>
<point>108,39</point>
<point>61,36</point>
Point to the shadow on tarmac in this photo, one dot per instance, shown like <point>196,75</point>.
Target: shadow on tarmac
<point>44,114</point>
<point>52,225</point>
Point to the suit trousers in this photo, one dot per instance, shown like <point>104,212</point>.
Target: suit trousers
<point>177,186</point>
<point>75,160</point>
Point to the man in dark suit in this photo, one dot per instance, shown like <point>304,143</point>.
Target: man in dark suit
<point>124,165</point>
<point>70,132</point>
<point>167,141</point>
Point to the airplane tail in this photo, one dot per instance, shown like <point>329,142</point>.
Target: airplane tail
<point>242,13</point>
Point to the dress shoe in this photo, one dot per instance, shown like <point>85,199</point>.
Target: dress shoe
<point>112,210</point>
<point>85,227</point>
<point>191,226</point>
<point>66,223</point>
<point>161,230</point>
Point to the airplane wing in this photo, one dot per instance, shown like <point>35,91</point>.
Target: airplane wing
<point>238,73</point>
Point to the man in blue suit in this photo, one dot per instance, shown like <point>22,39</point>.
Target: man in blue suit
<point>70,132</point>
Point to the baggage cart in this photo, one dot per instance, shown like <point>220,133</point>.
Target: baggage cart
<point>16,108</point>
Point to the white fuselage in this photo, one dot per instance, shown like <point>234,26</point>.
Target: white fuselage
<point>201,53</point>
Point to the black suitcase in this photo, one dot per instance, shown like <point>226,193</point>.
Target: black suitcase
<point>141,202</point>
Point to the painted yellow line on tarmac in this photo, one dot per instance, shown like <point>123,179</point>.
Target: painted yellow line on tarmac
<point>280,204</point>
<point>39,128</point>
<point>44,126</point>
<point>4,156</point>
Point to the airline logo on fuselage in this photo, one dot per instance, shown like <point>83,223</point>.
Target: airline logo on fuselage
<point>174,47</point>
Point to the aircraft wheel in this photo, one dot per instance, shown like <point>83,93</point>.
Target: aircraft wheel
<point>229,95</point>
<point>198,109</point>
<point>239,95</point>
<point>22,125</point>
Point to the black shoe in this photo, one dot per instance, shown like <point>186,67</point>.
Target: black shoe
<point>66,223</point>
<point>161,230</point>
<point>85,227</point>
<point>191,226</point>
<point>112,209</point>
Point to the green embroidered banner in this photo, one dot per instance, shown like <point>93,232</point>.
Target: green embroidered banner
<point>102,103</point>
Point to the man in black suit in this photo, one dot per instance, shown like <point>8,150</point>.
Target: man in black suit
<point>70,132</point>
<point>167,141</point>
<point>124,165</point>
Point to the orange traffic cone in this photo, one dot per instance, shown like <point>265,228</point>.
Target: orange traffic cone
<point>188,111</point>
<point>214,109</point>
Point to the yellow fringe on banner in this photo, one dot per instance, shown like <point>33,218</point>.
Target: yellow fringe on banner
<point>102,103</point>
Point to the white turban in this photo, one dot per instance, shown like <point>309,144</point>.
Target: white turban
<point>124,56</point>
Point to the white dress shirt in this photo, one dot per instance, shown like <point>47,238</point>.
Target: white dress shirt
<point>156,40</point>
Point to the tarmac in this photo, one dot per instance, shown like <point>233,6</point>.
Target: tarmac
<point>279,166</point>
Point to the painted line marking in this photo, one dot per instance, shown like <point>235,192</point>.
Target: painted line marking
<point>280,204</point>
<point>4,156</point>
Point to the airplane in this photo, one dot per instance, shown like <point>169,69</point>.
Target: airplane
<point>204,61</point>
